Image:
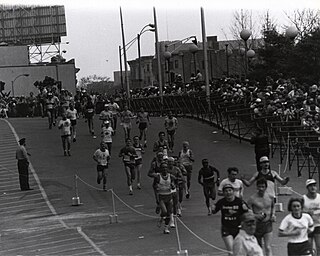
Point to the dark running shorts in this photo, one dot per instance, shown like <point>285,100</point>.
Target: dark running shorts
<point>262,228</point>
<point>303,248</point>
<point>101,168</point>
<point>73,122</point>
<point>142,126</point>
<point>138,161</point>
<point>225,231</point>
<point>172,132</point>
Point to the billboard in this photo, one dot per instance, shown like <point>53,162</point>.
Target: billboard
<point>29,25</point>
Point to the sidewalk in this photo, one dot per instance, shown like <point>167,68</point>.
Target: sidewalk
<point>27,226</point>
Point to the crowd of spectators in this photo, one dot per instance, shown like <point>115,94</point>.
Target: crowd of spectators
<point>287,99</point>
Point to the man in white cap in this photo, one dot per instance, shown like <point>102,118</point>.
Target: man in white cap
<point>312,206</point>
<point>269,175</point>
<point>245,243</point>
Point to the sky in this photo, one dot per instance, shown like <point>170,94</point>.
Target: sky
<point>94,29</point>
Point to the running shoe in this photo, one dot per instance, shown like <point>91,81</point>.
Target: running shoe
<point>209,211</point>
<point>187,195</point>
<point>74,139</point>
<point>179,213</point>
<point>65,153</point>
<point>138,186</point>
<point>130,192</point>
<point>166,230</point>
<point>69,154</point>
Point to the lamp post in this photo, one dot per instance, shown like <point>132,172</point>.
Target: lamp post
<point>245,34</point>
<point>12,82</point>
<point>193,49</point>
<point>182,61</point>
<point>139,48</point>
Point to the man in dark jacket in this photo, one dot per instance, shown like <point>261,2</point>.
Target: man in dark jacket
<point>261,146</point>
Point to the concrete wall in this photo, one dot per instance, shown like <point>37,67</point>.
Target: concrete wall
<point>64,72</point>
<point>14,56</point>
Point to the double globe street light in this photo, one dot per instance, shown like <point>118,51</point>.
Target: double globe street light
<point>193,48</point>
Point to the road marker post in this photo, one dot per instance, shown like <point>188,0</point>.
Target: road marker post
<point>113,218</point>
<point>76,198</point>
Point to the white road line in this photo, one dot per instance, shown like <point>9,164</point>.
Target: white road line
<point>52,209</point>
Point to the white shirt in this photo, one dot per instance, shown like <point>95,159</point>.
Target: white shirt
<point>312,206</point>
<point>304,223</point>
<point>101,157</point>
<point>106,134</point>
<point>72,114</point>
<point>65,127</point>
<point>237,185</point>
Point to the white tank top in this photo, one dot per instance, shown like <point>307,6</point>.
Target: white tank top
<point>185,157</point>
<point>164,186</point>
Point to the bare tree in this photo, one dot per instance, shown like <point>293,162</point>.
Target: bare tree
<point>306,21</point>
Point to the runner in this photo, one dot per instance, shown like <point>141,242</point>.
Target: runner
<point>186,159</point>
<point>126,116</point>
<point>143,120</point>
<point>89,114</point>
<point>114,108</point>
<point>179,183</point>
<point>106,134</point>
<point>155,168</point>
<point>269,175</point>
<point>231,208</point>
<point>138,160</point>
<point>262,205</point>
<point>312,206</point>
<point>65,127</point>
<point>72,115</point>
<point>50,105</point>
<point>128,154</point>
<point>161,145</point>
<point>106,115</point>
<point>101,157</point>
<point>171,125</point>
<point>297,225</point>
<point>164,183</point>
<point>208,177</point>
<point>232,180</point>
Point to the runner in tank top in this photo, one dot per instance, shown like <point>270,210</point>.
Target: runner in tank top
<point>72,115</point>
<point>143,121</point>
<point>269,175</point>
<point>138,159</point>
<point>186,159</point>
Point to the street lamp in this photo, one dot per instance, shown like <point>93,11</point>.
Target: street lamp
<point>152,29</point>
<point>193,48</point>
<point>12,82</point>
<point>245,34</point>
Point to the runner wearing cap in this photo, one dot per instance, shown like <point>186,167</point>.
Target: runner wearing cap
<point>106,115</point>
<point>231,208</point>
<point>262,205</point>
<point>106,134</point>
<point>245,243</point>
<point>208,177</point>
<point>269,175</point>
<point>233,181</point>
<point>312,206</point>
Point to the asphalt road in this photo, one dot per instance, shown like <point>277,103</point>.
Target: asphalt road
<point>44,222</point>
